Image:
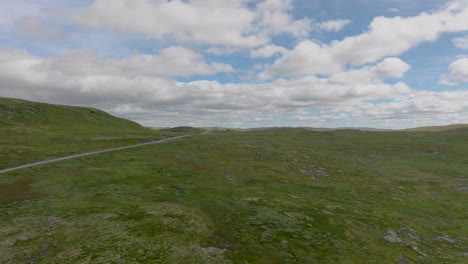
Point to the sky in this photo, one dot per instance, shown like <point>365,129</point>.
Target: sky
<point>242,63</point>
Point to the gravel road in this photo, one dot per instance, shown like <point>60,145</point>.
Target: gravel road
<point>92,153</point>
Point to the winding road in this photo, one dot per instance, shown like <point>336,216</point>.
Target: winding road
<point>94,153</point>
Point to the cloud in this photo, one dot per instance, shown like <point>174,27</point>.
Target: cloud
<point>385,37</point>
<point>458,73</point>
<point>461,43</point>
<point>223,23</point>
<point>201,21</point>
<point>388,68</point>
<point>116,85</point>
<point>222,51</point>
<point>420,108</point>
<point>391,68</point>
<point>424,105</point>
<point>275,19</point>
<point>334,25</point>
<point>267,51</point>
<point>172,61</point>
<point>459,69</point>
<point>11,11</point>
<point>38,28</point>
<point>307,58</point>
<point>351,96</point>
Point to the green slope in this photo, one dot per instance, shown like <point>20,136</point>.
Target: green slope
<point>32,115</point>
<point>31,131</point>
<point>438,128</point>
<point>270,196</point>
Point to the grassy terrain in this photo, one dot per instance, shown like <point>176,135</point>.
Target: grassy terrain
<point>437,128</point>
<point>271,196</point>
<point>31,131</point>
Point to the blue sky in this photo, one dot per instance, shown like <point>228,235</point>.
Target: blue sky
<point>242,63</point>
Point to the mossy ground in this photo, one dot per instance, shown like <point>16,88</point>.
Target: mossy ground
<point>273,196</point>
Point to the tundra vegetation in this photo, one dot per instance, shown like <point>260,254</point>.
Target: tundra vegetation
<point>266,196</point>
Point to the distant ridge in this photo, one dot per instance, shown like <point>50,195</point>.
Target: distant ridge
<point>184,129</point>
<point>437,128</point>
<point>326,129</point>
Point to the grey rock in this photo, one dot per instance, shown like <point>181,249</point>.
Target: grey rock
<point>52,220</point>
<point>392,237</point>
<point>23,238</point>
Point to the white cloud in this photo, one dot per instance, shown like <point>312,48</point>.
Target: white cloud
<point>424,105</point>
<point>459,69</point>
<point>385,37</point>
<point>115,86</point>
<point>172,61</point>
<point>334,25</point>
<point>388,68</point>
<point>275,19</point>
<point>267,51</point>
<point>220,51</point>
<point>118,85</point>
<point>39,28</point>
<point>420,108</point>
<point>391,68</point>
<point>11,11</point>
<point>223,23</point>
<point>458,73</point>
<point>201,21</point>
<point>461,43</point>
<point>307,58</point>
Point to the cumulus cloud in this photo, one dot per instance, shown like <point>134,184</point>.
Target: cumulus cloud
<point>39,28</point>
<point>172,61</point>
<point>461,43</point>
<point>459,69</point>
<point>275,19</point>
<point>222,51</point>
<point>226,23</point>
<point>391,68</point>
<point>458,73</point>
<point>307,58</point>
<point>202,21</point>
<point>385,37</point>
<point>420,108</point>
<point>88,80</point>
<point>424,105</point>
<point>334,25</point>
<point>11,11</point>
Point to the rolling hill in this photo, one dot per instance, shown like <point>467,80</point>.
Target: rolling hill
<point>16,113</point>
<point>437,128</point>
<point>32,131</point>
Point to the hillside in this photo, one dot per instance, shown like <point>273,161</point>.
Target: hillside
<point>31,131</point>
<point>268,196</point>
<point>32,115</point>
<point>437,128</point>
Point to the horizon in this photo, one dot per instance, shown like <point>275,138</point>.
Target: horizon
<point>271,127</point>
<point>242,63</point>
